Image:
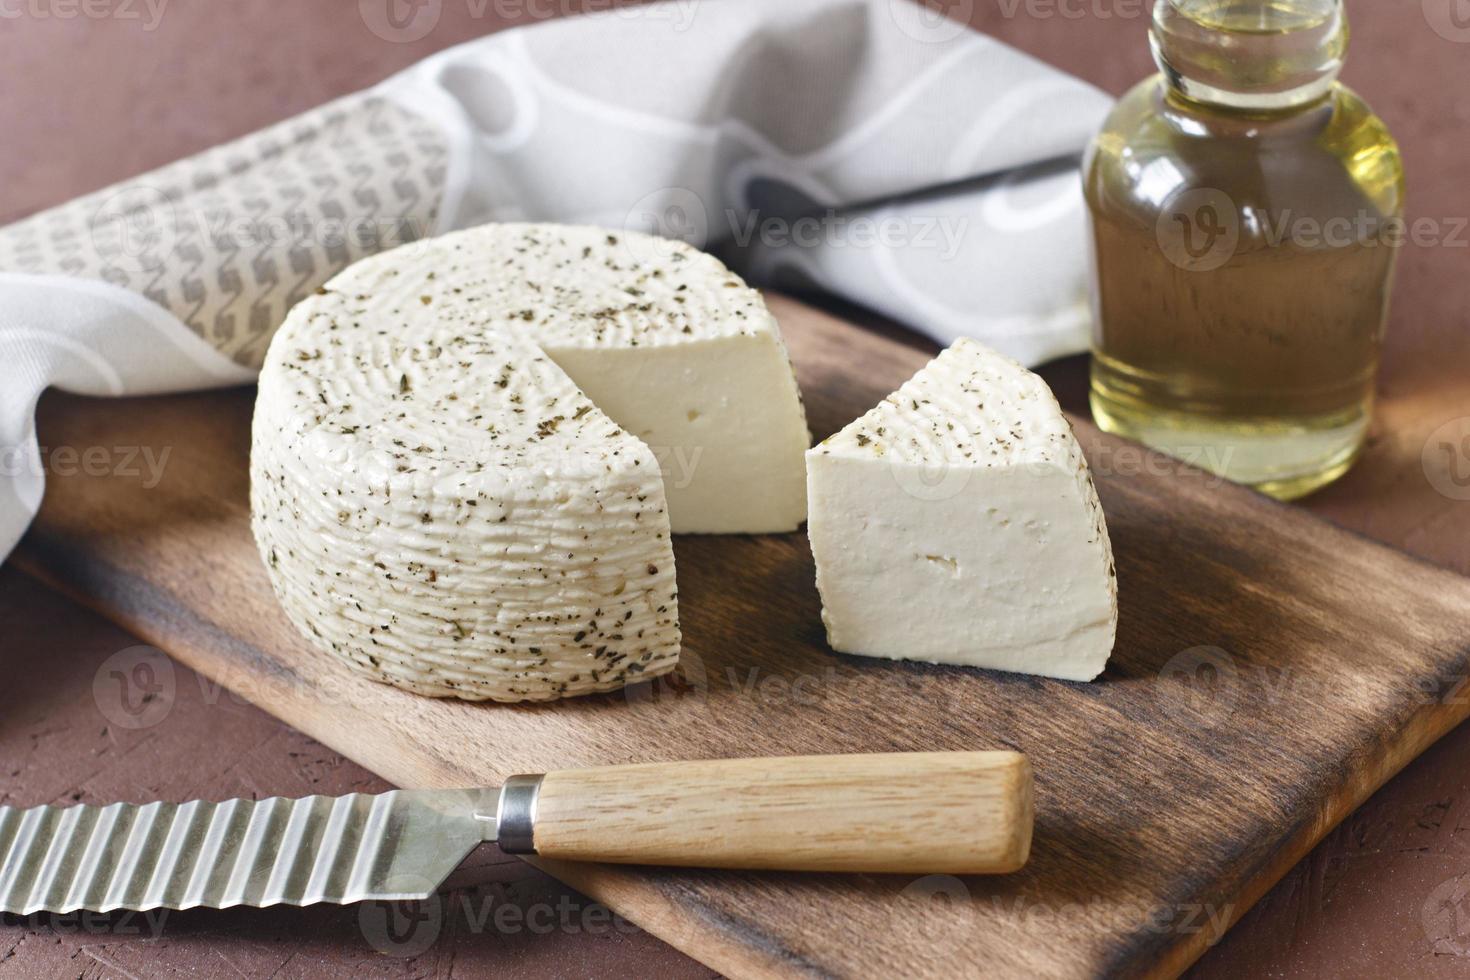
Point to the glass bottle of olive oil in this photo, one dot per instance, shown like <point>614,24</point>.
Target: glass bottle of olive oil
<point>1246,210</point>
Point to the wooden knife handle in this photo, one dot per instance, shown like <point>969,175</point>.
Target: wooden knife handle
<point>912,813</point>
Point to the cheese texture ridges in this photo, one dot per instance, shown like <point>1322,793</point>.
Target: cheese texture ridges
<point>469,453</point>
<point>957,523</point>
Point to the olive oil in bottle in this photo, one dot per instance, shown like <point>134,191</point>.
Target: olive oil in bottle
<point>1246,210</point>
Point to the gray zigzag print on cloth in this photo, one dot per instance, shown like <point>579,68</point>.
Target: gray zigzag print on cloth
<point>230,239</point>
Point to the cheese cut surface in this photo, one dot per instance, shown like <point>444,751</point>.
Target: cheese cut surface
<point>957,523</point>
<point>457,445</point>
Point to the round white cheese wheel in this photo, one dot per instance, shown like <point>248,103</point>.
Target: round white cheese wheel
<point>443,506</point>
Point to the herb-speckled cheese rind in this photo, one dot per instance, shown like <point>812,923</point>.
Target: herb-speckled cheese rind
<point>957,522</point>
<point>441,504</point>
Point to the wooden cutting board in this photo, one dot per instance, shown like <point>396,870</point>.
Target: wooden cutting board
<point>1271,671</point>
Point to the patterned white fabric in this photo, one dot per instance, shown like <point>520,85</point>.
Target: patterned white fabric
<point>858,146</point>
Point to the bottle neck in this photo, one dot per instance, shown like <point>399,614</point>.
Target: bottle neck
<point>1251,55</point>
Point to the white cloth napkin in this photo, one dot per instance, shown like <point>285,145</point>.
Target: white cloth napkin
<point>866,147</point>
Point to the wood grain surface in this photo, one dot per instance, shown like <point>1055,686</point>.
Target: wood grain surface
<point>1271,671</point>
<point>910,813</point>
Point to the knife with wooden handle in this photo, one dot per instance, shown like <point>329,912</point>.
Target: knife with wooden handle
<point>912,813</point>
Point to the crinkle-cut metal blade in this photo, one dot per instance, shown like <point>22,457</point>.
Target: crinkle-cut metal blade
<point>393,846</point>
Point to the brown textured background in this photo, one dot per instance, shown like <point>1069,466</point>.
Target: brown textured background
<point>87,100</point>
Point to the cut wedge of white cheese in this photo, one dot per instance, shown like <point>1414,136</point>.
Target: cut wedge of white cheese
<point>957,523</point>
<point>457,445</point>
